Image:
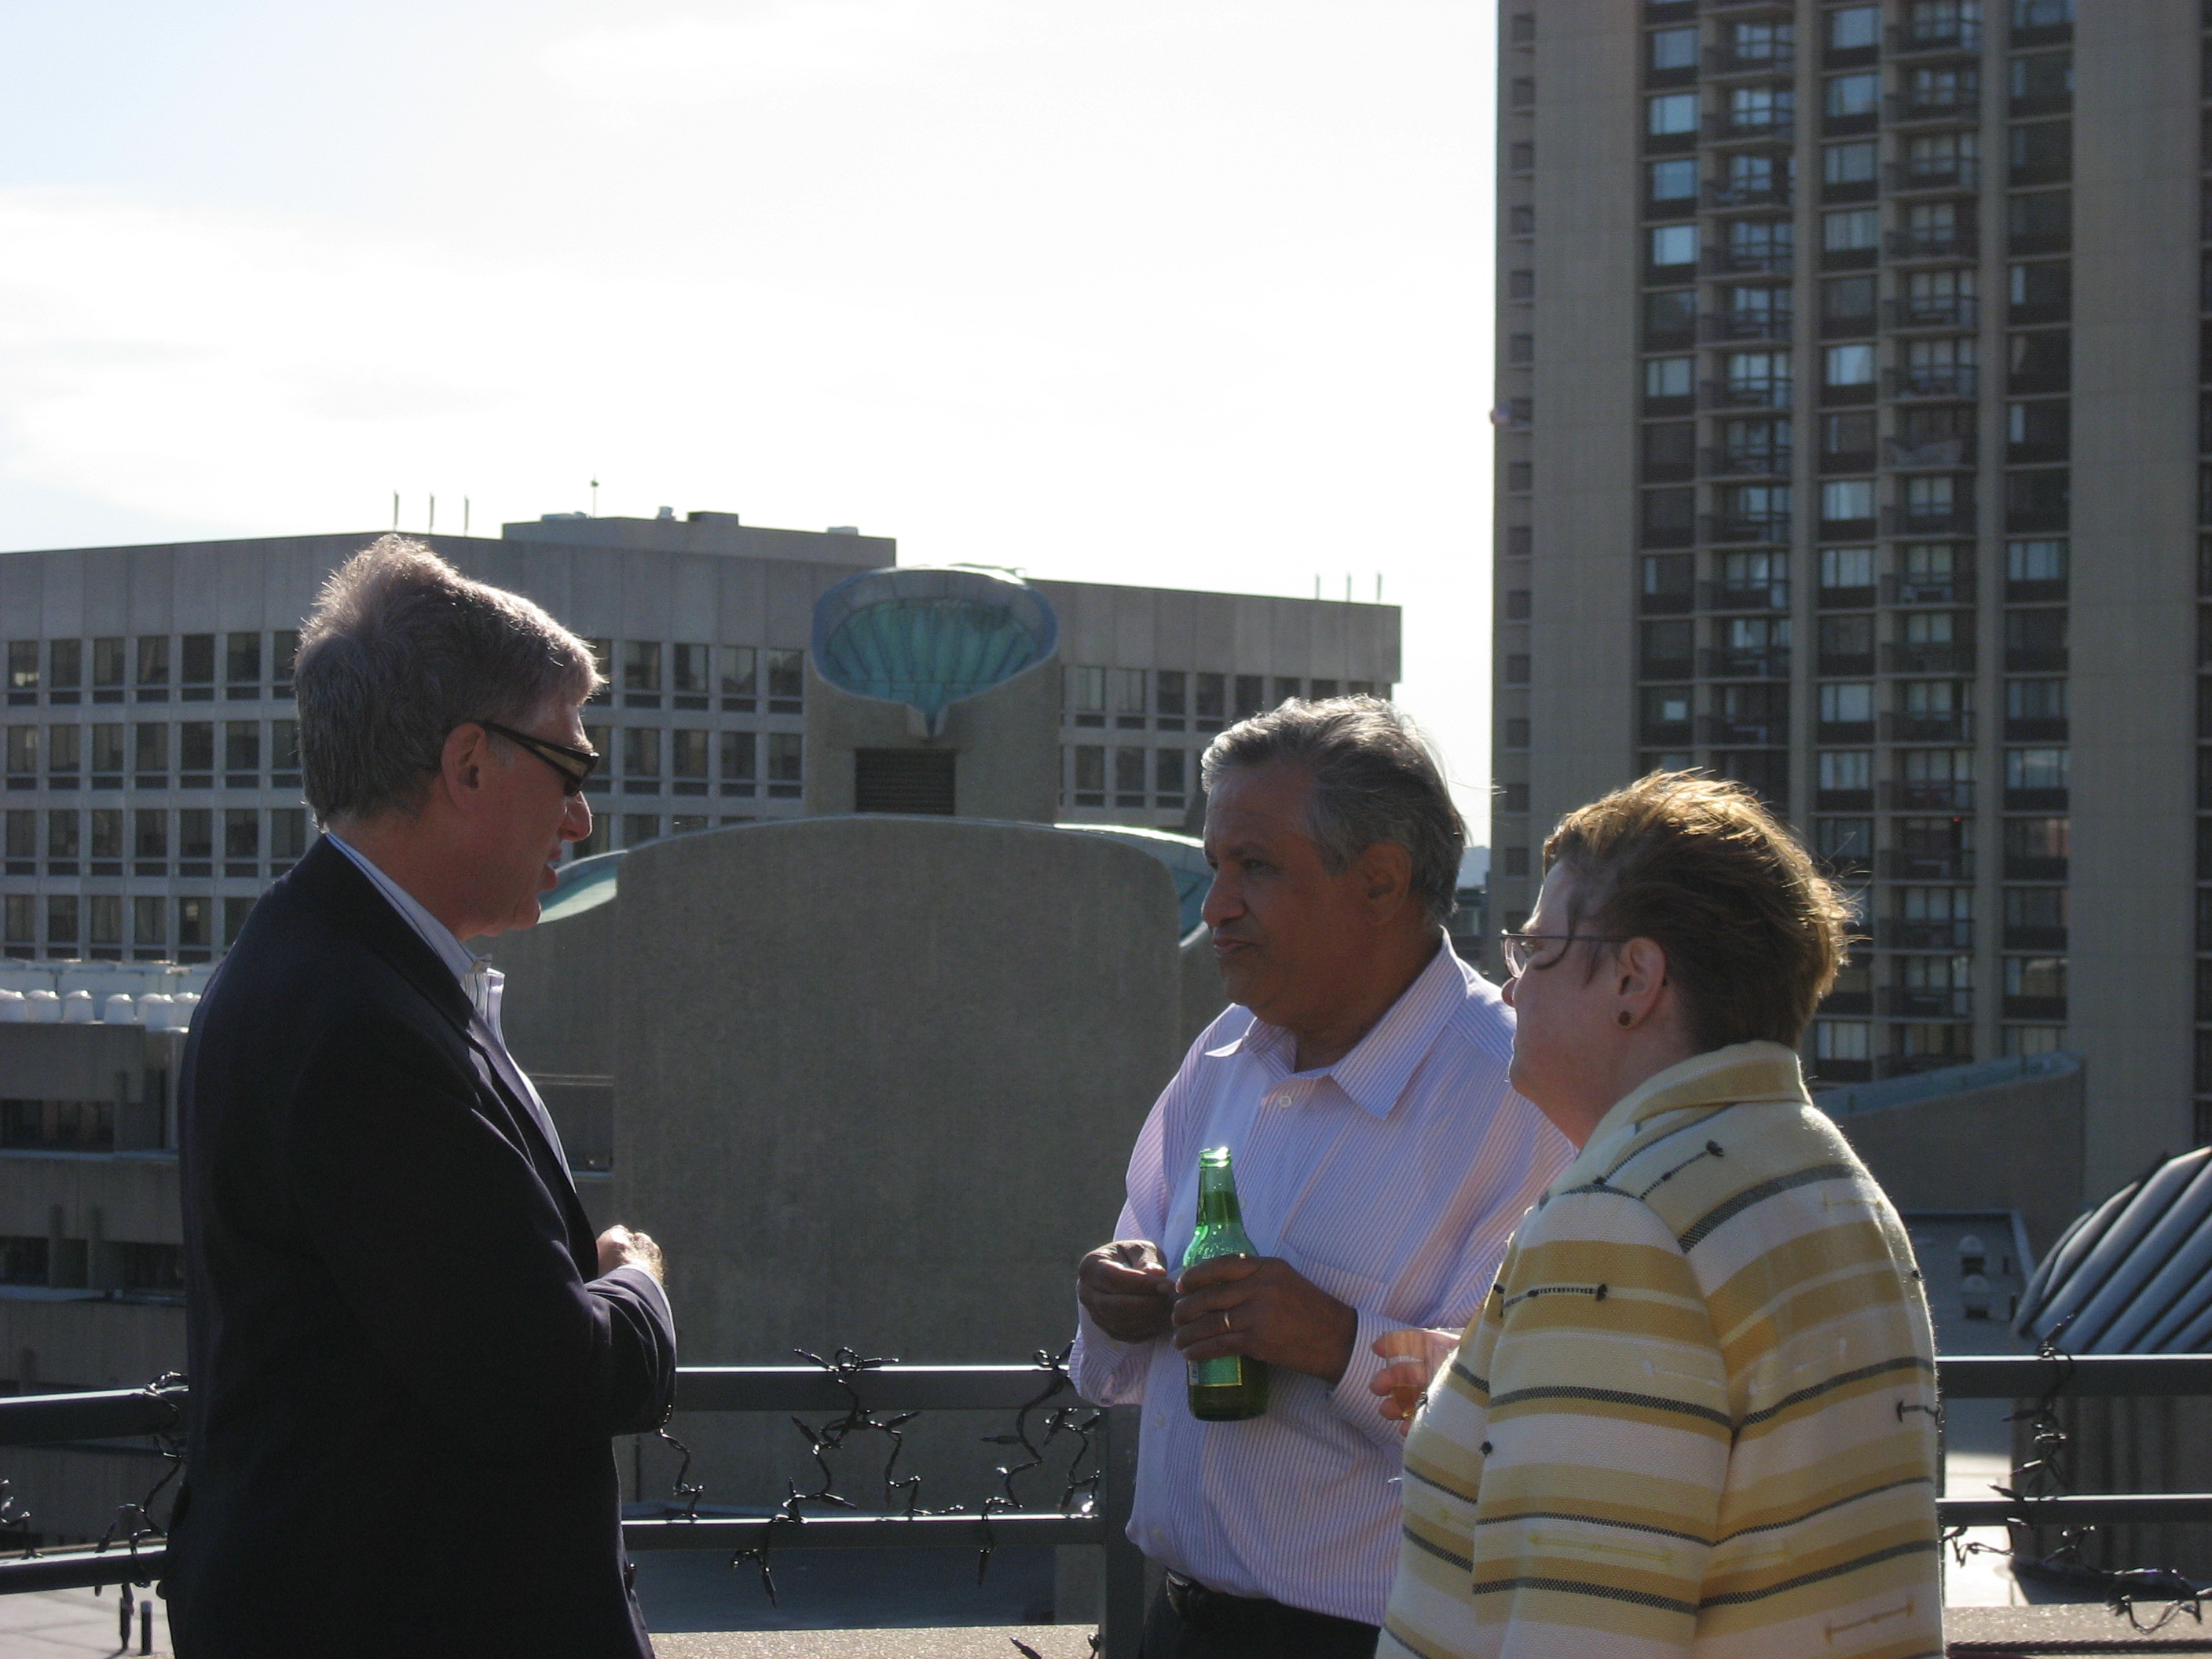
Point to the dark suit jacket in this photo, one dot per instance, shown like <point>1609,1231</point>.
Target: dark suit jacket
<point>404,1370</point>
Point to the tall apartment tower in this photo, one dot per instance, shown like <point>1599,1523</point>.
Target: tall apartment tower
<point>1850,445</point>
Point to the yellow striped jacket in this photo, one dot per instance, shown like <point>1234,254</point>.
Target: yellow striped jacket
<point>1696,1414</point>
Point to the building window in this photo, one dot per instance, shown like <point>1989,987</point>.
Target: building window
<point>22,929</point>
<point>740,674</point>
<point>784,762</point>
<point>61,924</point>
<point>1854,28</point>
<point>1671,113</point>
<point>1087,772</point>
<point>688,755</point>
<point>641,752</point>
<point>196,749</point>
<point>641,666</point>
<point>1674,49</point>
<point>1128,686</point>
<point>148,923</point>
<point>287,832</point>
<point>241,662</point>
<point>64,754</point>
<point>1853,230</point>
<point>103,928</point>
<point>151,836</point>
<point>1213,697</point>
<point>1674,180</point>
<point>1669,380</point>
<point>1085,690</point>
<point>1169,766</point>
<point>740,756</point>
<point>1129,777</point>
<point>787,681</point>
<point>1849,95</point>
<point>1847,501</point>
<point>241,752</point>
<point>639,827</point>
<point>1848,365</point>
<point>1674,245</point>
<point>1855,163</point>
<point>196,666</point>
<point>688,671</point>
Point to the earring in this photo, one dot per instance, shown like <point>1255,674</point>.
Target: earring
<point>1626,1018</point>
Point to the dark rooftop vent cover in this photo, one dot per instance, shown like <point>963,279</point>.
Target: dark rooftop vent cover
<point>903,781</point>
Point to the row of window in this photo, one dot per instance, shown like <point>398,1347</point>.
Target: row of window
<point>2036,222</point>
<point>146,750</point>
<point>94,925</point>
<point>1168,695</point>
<point>2035,83</point>
<point>642,669</point>
<point>1847,34</point>
<point>2037,292</point>
<point>1922,439</point>
<point>1135,778</point>
<point>152,663</point>
<point>107,835</point>
<point>1919,642</point>
<point>1921,504</point>
<point>1846,1050</point>
<point>2036,153</point>
<point>1941,366</point>
<point>639,757</point>
<point>1919,574</point>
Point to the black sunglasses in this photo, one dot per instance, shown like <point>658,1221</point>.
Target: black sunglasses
<point>575,766</point>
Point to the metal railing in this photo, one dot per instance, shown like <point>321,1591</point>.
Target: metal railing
<point>128,1413</point>
<point>113,1415</point>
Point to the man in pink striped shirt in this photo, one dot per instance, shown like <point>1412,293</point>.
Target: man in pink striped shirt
<point>1382,1162</point>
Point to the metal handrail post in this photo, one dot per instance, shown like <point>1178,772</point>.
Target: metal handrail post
<point>1121,1584</point>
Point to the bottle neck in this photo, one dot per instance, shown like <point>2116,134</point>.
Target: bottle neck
<point>1216,1199</point>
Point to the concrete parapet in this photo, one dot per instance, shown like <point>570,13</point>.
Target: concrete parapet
<point>2001,1135</point>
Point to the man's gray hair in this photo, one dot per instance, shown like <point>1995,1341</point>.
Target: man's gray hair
<point>1375,779</point>
<point>400,649</point>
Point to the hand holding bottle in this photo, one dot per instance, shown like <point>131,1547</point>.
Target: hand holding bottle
<point>1263,1306</point>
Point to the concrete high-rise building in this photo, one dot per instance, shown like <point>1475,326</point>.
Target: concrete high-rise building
<point>1849,445</point>
<point>149,760</point>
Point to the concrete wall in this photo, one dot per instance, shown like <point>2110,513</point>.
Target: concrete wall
<point>1006,744</point>
<point>2019,1145</point>
<point>878,1081</point>
<point>2136,168</point>
<point>47,1344</point>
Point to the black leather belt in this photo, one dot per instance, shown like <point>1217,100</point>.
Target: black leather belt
<point>1257,1618</point>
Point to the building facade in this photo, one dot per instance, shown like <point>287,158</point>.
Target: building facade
<point>1848,446</point>
<point>152,776</point>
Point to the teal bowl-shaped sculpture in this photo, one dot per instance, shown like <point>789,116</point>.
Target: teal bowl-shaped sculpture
<point>928,637</point>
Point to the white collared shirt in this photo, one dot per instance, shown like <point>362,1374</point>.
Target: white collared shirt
<point>483,984</point>
<point>1392,1180</point>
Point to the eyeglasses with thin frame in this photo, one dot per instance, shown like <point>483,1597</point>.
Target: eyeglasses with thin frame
<point>575,766</point>
<point>1519,949</point>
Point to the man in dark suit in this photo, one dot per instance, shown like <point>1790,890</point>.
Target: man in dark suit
<point>408,1352</point>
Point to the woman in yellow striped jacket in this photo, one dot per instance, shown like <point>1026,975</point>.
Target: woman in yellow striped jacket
<point>1697,1415</point>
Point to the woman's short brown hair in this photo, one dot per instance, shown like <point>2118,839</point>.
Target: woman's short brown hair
<point>1754,932</point>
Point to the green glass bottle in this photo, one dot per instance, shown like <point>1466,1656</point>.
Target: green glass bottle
<point>1226,1390</point>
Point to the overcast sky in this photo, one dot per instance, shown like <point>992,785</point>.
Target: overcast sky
<point>1186,291</point>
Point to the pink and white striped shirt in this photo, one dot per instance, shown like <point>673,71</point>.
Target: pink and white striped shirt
<point>1392,1180</point>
